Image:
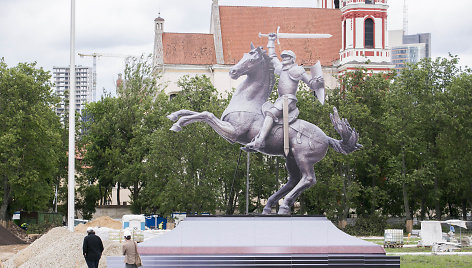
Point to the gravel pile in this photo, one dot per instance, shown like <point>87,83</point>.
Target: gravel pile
<point>59,248</point>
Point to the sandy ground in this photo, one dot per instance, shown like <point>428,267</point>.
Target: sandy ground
<point>57,248</point>
<point>10,250</point>
<point>61,248</point>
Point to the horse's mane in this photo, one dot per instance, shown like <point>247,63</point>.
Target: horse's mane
<point>270,69</point>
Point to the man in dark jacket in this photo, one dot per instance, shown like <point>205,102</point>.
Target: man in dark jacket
<point>92,248</point>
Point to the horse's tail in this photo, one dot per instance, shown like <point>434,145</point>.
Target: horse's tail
<point>348,143</point>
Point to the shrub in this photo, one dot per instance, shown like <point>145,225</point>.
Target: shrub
<point>371,225</point>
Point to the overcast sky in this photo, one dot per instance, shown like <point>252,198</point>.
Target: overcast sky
<point>33,30</point>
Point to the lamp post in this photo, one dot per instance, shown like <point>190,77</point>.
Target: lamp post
<point>71,166</point>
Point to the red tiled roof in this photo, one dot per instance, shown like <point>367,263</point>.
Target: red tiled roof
<point>188,48</point>
<point>241,25</point>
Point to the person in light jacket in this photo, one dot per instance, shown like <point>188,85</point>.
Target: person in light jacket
<point>129,250</point>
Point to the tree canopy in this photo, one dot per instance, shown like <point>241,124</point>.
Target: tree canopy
<point>411,124</point>
<point>415,127</point>
<point>30,139</point>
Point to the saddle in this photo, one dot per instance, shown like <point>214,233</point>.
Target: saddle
<point>298,125</point>
<point>268,106</point>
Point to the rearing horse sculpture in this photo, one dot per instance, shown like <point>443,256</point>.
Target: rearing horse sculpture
<point>243,118</point>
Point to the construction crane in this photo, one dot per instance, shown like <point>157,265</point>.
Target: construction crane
<point>405,18</point>
<point>94,68</point>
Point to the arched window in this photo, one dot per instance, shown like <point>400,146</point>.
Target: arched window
<point>336,3</point>
<point>369,33</point>
<point>344,35</point>
<point>368,1</point>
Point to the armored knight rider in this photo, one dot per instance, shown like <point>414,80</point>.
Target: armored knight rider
<point>289,75</point>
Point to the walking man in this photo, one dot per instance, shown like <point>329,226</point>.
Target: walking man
<point>92,248</point>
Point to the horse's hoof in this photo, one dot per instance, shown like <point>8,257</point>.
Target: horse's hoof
<point>173,117</point>
<point>284,210</point>
<point>266,211</point>
<point>252,147</point>
<point>175,128</point>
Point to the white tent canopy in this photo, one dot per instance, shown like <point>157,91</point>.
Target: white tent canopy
<point>459,223</point>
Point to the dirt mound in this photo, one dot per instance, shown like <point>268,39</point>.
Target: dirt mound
<point>20,233</point>
<point>59,248</point>
<point>8,238</point>
<point>104,221</point>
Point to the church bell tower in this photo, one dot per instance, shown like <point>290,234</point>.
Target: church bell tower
<point>328,3</point>
<point>364,36</point>
<point>158,55</point>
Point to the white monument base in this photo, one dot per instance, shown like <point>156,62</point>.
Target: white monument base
<point>246,241</point>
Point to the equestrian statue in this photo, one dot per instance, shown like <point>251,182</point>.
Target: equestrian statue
<point>273,128</point>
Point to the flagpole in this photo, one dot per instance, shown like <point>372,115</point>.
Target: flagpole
<point>71,166</point>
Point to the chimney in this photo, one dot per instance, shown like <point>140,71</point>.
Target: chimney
<point>119,82</point>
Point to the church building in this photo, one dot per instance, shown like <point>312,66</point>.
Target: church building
<point>358,29</point>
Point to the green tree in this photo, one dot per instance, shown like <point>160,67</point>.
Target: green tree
<point>362,100</point>
<point>414,112</point>
<point>86,200</point>
<point>117,130</point>
<point>100,154</point>
<point>354,181</point>
<point>30,138</point>
<point>191,170</point>
<point>453,141</point>
<point>135,105</point>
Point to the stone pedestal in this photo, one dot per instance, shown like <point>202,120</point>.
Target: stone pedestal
<point>247,241</point>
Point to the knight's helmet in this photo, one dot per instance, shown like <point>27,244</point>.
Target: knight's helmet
<point>289,53</point>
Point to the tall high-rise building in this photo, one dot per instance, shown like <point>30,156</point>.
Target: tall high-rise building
<point>83,92</point>
<point>421,38</point>
<point>409,48</point>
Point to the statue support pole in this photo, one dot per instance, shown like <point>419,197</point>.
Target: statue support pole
<point>247,182</point>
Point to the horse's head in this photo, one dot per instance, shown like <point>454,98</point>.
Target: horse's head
<point>250,60</point>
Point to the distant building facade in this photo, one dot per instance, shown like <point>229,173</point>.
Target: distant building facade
<point>358,29</point>
<point>409,48</point>
<point>83,92</point>
<point>421,38</point>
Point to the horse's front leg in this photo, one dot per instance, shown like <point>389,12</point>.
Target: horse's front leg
<point>223,128</point>
<point>175,115</point>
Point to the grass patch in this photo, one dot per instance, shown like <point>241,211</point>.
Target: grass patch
<point>376,241</point>
<point>420,249</point>
<point>456,261</point>
<point>412,241</point>
<point>427,261</point>
<point>415,249</point>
